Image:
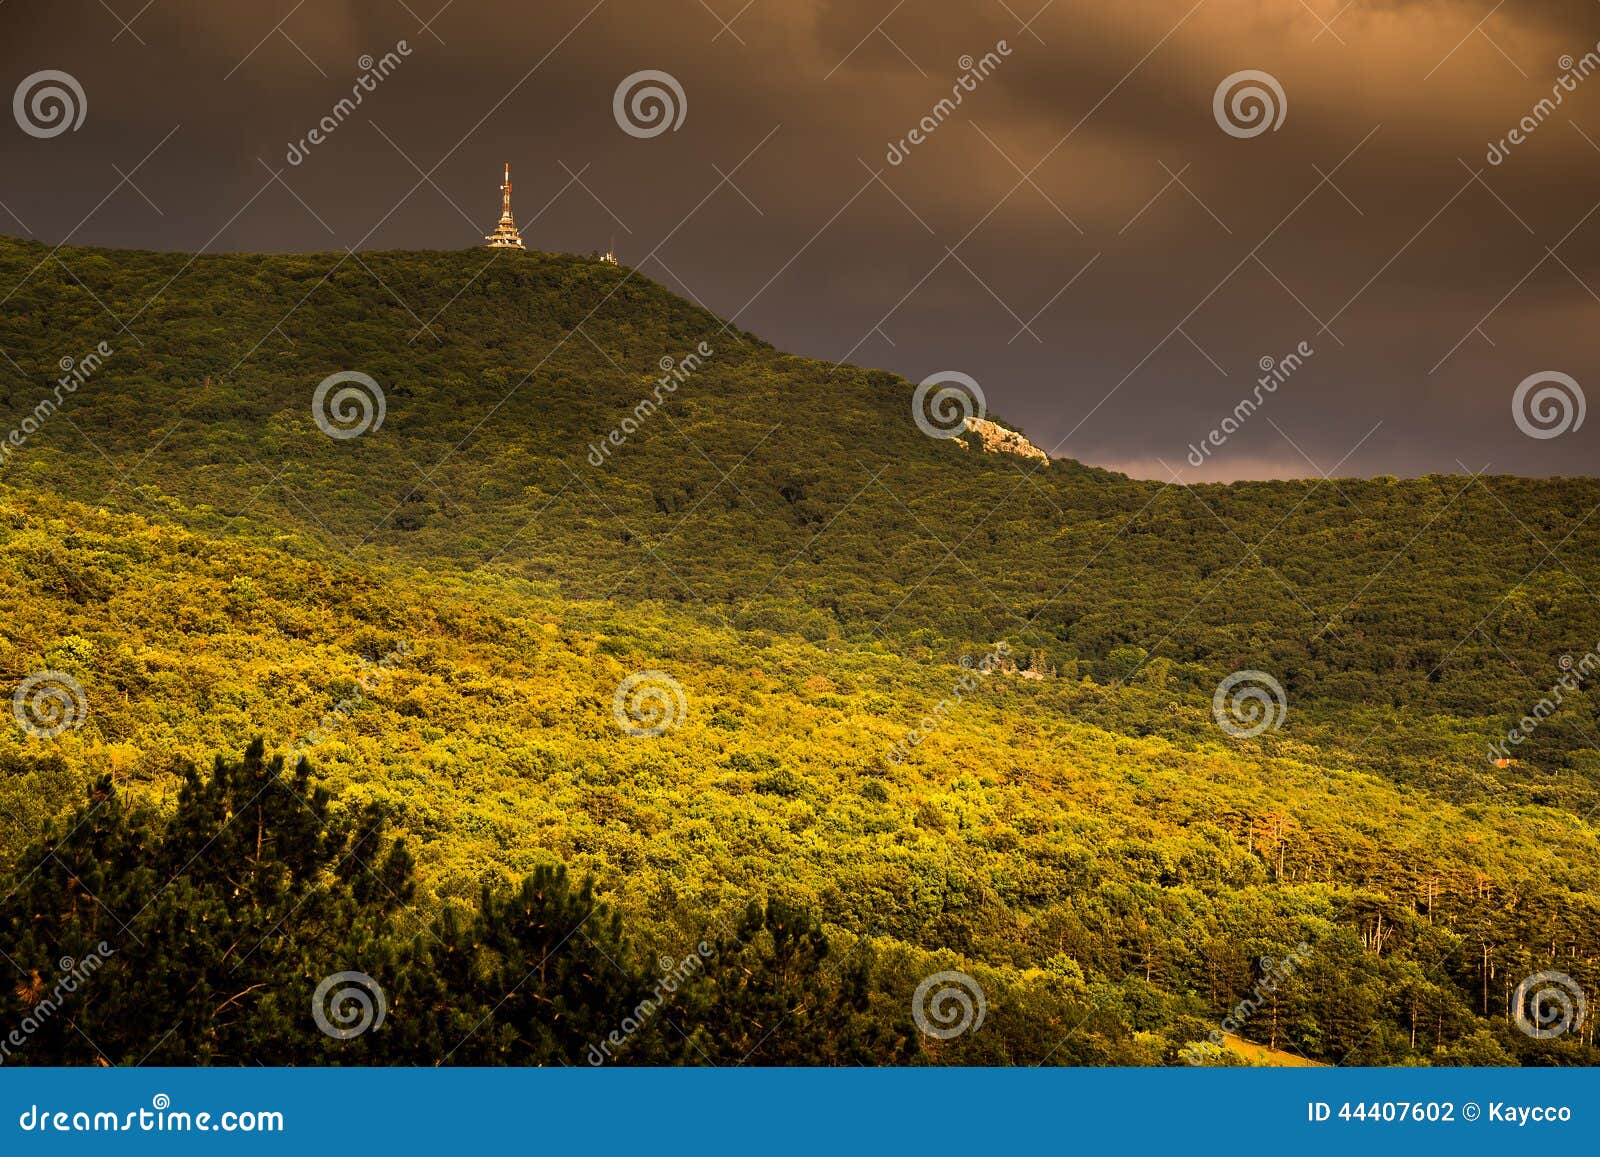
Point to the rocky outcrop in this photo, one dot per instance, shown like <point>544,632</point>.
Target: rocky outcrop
<point>992,438</point>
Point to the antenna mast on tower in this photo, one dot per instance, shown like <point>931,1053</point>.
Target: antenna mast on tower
<point>505,235</point>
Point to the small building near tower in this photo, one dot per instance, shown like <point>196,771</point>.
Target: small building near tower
<point>505,235</point>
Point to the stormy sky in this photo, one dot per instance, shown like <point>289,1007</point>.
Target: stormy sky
<point>1083,234</point>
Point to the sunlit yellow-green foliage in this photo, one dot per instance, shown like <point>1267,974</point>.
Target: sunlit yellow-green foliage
<point>1028,832</point>
<point>439,612</point>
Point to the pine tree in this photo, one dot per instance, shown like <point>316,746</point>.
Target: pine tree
<point>217,923</point>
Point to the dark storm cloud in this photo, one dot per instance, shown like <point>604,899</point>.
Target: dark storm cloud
<point>1195,254</point>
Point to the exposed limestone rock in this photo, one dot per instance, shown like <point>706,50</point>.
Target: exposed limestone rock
<point>992,438</point>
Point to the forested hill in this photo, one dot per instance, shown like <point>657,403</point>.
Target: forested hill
<point>441,610</point>
<point>768,492</point>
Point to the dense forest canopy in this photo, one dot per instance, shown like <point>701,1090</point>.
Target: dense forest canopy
<point>438,615</point>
